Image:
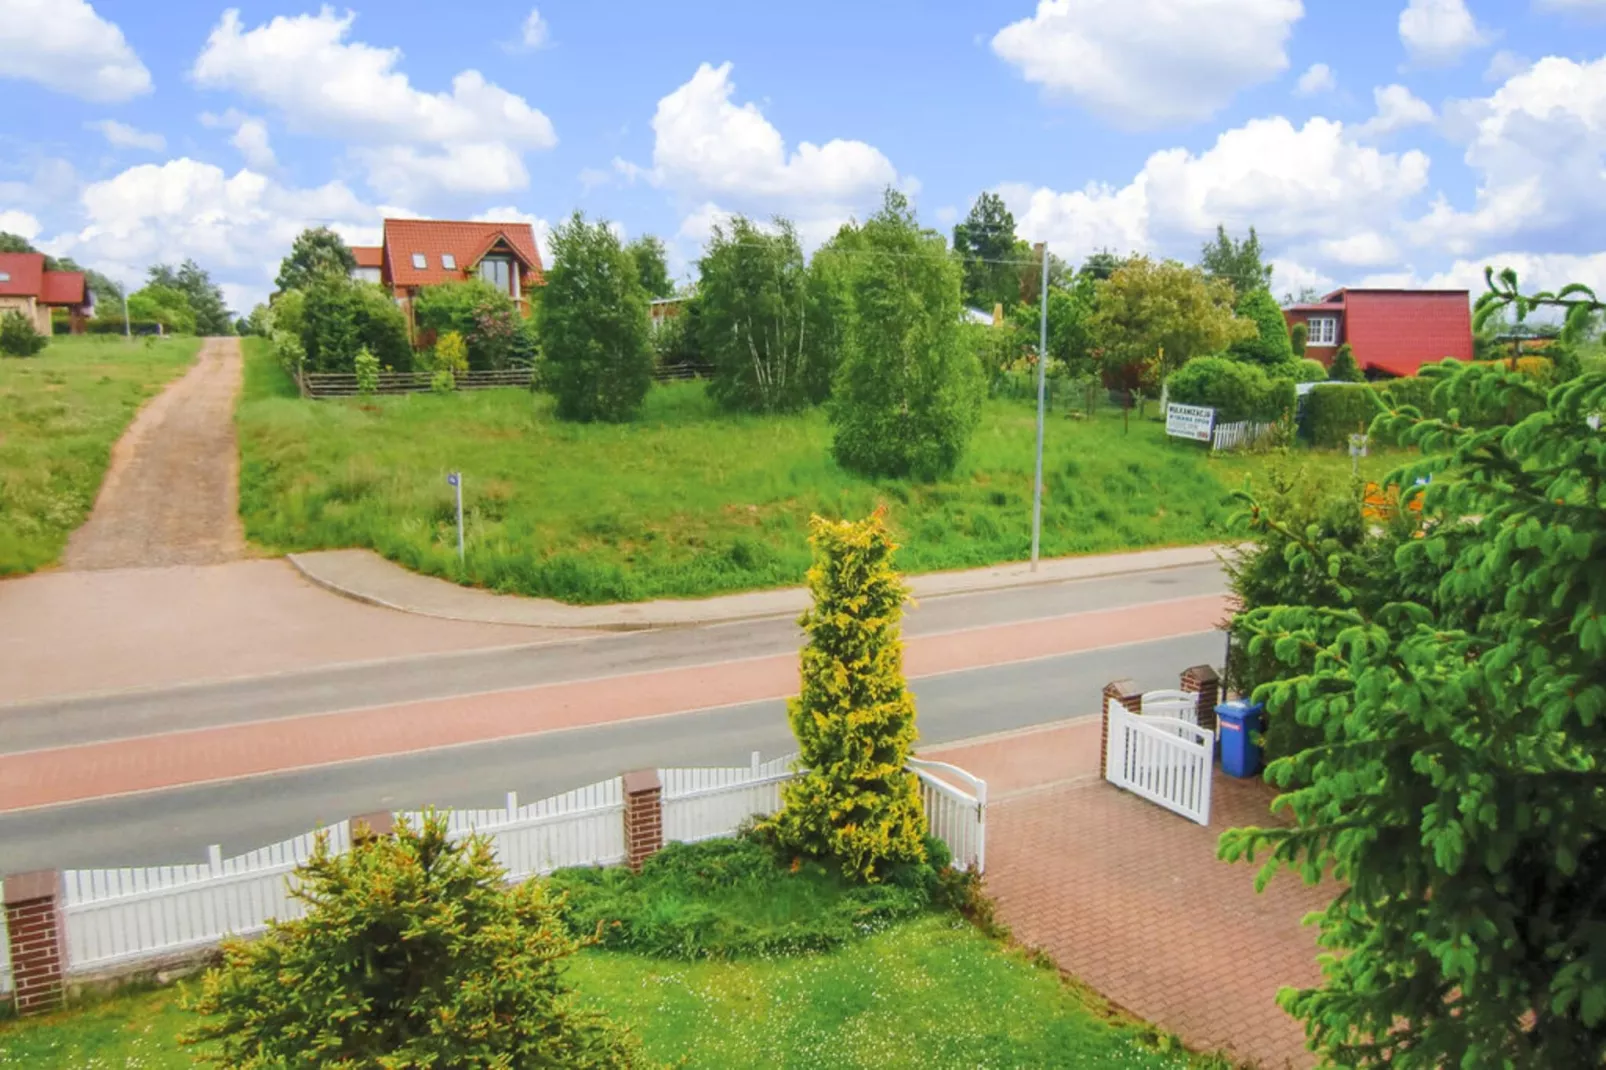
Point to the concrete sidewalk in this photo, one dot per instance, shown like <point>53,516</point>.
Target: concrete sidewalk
<point>365,576</point>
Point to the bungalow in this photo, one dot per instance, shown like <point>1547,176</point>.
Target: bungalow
<point>1391,332</point>
<point>426,252</point>
<point>26,287</point>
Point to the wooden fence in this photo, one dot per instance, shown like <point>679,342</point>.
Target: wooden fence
<point>343,384</point>
<point>117,917</point>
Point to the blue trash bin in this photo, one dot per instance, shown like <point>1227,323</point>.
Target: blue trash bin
<point>1236,723</point>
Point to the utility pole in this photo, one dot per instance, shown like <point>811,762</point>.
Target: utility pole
<point>1042,375</point>
<point>122,292</point>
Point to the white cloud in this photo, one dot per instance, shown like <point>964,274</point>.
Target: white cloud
<point>509,214</point>
<point>66,46</point>
<point>1366,248</point>
<point>250,137</point>
<point>1150,62</point>
<point>1439,31</point>
<point>535,31</point>
<point>1291,277</point>
<point>1298,186</point>
<point>1397,108</point>
<point>1535,271</point>
<point>1318,78</point>
<point>122,136</point>
<point>20,223</point>
<point>238,226</point>
<point>1505,65</point>
<point>471,139</point>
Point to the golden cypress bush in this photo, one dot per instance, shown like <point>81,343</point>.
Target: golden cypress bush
<point>854,718</point>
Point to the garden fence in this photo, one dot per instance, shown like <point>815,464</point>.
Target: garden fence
<point>344,384</point>
<point>1238,435</point>
<point>114,918</point>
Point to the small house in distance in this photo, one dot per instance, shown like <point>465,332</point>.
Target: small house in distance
<point>1391,332</point>
<point>426,252</point>
<point>26,287</point>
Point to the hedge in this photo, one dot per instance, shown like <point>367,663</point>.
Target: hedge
<point>115,326</point>
<point>1237,391</point>
<point>1335,411</point>
<point>1310,371</point>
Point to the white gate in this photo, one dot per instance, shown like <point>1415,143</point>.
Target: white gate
<point>1163,759</point>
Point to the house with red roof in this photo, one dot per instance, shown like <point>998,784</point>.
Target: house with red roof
<point>26,287</point>
<point>1391,332</point>
<point>427,252</point>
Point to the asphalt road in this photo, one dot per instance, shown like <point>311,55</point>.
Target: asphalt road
<point>176,826</point>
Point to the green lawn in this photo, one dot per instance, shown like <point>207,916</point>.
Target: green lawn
<point>927,993</point>
<point>60,412</point>
<point>688,501</point>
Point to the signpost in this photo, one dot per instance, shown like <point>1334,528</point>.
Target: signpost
<point>1042,372</point>
<point>1189,421</point>
<point>1357,450</point>
<point>455,481</point>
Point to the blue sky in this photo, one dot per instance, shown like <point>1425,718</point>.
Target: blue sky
<point>1382,141</point>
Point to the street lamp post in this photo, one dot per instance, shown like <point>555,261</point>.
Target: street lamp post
<point>1042,372</point>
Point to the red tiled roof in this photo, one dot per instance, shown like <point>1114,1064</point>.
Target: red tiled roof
<point>26,271</point>
<point>63,288</point>
<point>465,242</point>
<point>369,256</point>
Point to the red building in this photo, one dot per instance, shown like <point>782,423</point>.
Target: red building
<point>1391,332</point>
<point>427,252</point>
<point>26,287</point>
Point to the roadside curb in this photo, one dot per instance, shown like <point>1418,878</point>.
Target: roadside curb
<point>364,576</point>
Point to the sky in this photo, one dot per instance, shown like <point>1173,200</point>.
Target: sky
<point>1370,142</point>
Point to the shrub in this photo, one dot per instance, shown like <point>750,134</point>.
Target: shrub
<point>412,953</point>
<point>366,365</point>
<point>443,381</point>
<point>18,337</point>
<point>525,348</point>
<point>1344,369</point>
<point>593,324</point>
<point>1412,390</point>
<point>1236,390</point>
<point>1269,346</point>
<point>854,719</point>
<point>907,395</point>
<point>1298,338</point>
<point>483,315</point>
<point>1335,411</point>
<point>1309,371</point>
<point>451,354</point>
<point>724,899</point>
<point>339,316</point>
<point>289,352</point>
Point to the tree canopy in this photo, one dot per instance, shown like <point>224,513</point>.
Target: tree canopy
<point>985,237</point>
<point>1453,676</point>
<point>1270,346</point>
<point>205,298</point>
<point>1237,262</point>
<point>652,265</point>
<point>316,251</point>
<point>1151,317</point>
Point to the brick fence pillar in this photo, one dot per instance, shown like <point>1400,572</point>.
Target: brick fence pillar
<point>365,828</point>
<point>36,931</point>
<point>1127,694</point>
<point>644,816</point>
<point>1202,680</point>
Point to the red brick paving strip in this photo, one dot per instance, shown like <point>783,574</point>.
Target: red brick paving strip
<point>96,770</point>
<point>1130,898</point>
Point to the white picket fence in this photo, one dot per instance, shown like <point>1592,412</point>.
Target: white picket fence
<point>115,917</point>
<point>1182,705</point>
<point>1163,759</point>
<point>5,953</point>
<point>1235,436</point>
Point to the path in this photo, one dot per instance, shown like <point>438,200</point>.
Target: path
<point>170,491</point>
<point>1130,898</point>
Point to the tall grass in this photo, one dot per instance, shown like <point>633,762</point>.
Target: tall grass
<point>687,500</point>
<point>60,413</point>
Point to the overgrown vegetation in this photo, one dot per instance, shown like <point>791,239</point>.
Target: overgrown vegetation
<point>19,337</point>
<point>1236,390</point>
<point>60,415</point>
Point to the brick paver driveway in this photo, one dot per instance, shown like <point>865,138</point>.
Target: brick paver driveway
<point>1130,898</point>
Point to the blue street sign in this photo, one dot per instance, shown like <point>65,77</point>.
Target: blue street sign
<point>451,480</point>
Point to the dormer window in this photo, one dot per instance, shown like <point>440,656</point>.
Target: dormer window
<point>5,276</point>
<point>448,261</point>
<point>420,261</point>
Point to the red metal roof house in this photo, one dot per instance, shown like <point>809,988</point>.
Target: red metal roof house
<point>426,252</point>
<point>1391,332</point>
<point>26,287</point>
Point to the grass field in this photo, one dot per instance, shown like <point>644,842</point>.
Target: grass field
<point>60,413</point>
<point>688,501</point>
<point>927,993</point>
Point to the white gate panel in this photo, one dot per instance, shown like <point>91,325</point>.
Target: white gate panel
<point>1162,759</point>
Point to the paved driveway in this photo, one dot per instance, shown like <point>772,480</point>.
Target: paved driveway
<point>1130,898</point>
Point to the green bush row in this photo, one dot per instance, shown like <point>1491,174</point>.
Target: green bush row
<point>1335,411</point>
<point>1236,390</point>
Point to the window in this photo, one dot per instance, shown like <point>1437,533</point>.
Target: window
<point>5,276</point>
<point>1323,331</point>
<point>448,261</point>
<point>420,261</point>
<point>497,271</point>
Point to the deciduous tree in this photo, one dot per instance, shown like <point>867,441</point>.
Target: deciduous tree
<point>1150,318</point>
<point>985,242</point>
<point>652,265</point>
<point>205,298</point>
<point>316,251</point>
<point>593,325</point>
<point>1238,262</point>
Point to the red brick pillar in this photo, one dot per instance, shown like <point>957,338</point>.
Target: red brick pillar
<point>1127,694</point>
<point>36,931</point>
<point>644,816</point>
<point>1202,680</point>
<point>365,828</point>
